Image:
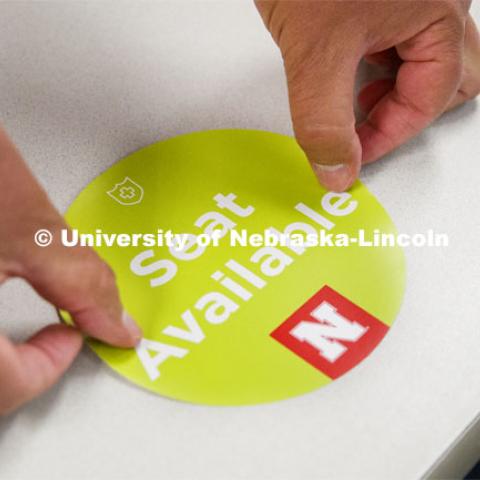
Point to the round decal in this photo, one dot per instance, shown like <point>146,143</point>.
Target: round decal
<point>250,282</point>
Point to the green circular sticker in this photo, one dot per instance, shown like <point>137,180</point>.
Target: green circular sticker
<point>251,283</point>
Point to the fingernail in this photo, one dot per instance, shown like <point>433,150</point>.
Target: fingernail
<point>334,177</point>
<point>132,326</point>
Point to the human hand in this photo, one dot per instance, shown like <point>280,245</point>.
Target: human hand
<point>73,279</point>
<point>434,45</point>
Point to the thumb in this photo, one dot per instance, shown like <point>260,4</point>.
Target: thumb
<point>28,369</point>
<point>321,89</point>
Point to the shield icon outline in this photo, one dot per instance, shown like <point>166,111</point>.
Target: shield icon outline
<point>127,183</point>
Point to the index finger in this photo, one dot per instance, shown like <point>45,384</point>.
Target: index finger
<point>426,82</point>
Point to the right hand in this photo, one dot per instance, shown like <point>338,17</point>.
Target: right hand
<point>433,46</point>
<point>73,279</point>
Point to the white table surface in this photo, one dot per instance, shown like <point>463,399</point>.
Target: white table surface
<point>84,84</point>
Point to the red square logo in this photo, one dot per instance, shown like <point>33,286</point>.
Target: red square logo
<point>330,332</point>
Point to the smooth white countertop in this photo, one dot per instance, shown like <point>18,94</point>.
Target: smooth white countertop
<point>84,84</point>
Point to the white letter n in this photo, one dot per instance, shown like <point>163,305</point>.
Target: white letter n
<point>331,326</point>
